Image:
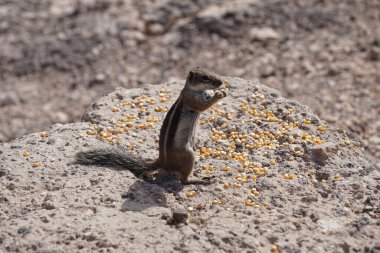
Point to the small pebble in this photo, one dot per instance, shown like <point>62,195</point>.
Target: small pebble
<point>180,215</point>
<point>23,230</point>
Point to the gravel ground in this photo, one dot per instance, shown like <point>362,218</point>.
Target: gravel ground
<point>56,57</point>
<point>283,180</point>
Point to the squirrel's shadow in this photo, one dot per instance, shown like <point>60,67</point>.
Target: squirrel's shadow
<point>147,193</point>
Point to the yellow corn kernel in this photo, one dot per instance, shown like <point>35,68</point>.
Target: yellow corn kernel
<point>313,181</point>
<point>26,154</point>
<point>237,185</point>
<point>274,248</point>
<point>36,165</point>
<point>248,202</point>
<point>190,194</point>
<point>43,135</point>
<point>272,119</point>
<point>337,176</point>
<point>214,138</point>
<point>90,132</point>
<point>202,122</point>
<point>117,131</point>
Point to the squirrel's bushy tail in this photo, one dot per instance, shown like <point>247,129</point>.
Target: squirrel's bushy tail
<point>117,158</point>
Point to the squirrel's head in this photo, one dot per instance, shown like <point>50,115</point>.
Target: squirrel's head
<point>201,79</point>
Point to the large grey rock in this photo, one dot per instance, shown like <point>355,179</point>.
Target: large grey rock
<point>307,194</point>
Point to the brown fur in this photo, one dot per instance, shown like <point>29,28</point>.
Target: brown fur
<point>177,153</point>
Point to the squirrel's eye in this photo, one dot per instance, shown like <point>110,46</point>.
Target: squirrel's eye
<point>205,78</point>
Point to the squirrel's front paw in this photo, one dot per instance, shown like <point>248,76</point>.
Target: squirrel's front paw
<point>220,94</point>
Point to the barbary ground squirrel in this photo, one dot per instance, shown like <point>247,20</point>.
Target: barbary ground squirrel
<point>176,142</point>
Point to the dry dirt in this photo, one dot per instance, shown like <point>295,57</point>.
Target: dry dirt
<point>283,180</point>
<point>56,57</point>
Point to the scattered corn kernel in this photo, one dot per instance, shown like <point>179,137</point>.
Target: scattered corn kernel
<point>190,194</point>
<point>36,165</point>
<point>248,202</point>
<point>274,248</point>
<point>225,168</point>
<point>313,181</point>
<point>90,132</point>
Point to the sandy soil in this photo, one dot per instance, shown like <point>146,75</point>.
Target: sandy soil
<point>282,181</point>
<point>57,56</point>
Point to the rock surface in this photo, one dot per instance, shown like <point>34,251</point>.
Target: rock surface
<point>283,180</point>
